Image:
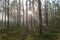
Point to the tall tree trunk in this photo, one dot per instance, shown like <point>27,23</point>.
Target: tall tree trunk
<point>40,16</point>
<point>26,15</point>
<point>53,12</point>
<point>19,15</point>
<point>30,16</point>
<point>16,12</point>
<point>46,12</point>
<point>5,13</point>
<point>2,20</point>
<point>33,12</point>
<point>23,12</point>
<point>8,15</point>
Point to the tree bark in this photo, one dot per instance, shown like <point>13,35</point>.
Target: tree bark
<point>26,15</point>
<point>23,12</point>
<point>46,12</point>
<point>5,13</point>
<point>18,15</point>
<point>8,15</point>
<point>40,16</point>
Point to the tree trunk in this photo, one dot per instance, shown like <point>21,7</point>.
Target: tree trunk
<point>8,15</point>
<point>23,12</point>
<point>2,20</point>
<point>18,15</point>
<point>30,16</point>
<point>5,13</point>
<point>33,12</point>
<point>26,15</point>
<point>40,16</point>
<point>46,12</point>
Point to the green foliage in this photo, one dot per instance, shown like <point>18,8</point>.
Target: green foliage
<point>19,33</point>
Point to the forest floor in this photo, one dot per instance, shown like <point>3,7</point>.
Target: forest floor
<point>20,33</point>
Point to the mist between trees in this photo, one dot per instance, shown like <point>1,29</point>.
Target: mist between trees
<point>34,17</point>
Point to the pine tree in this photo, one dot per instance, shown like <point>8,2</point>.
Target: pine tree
<point>40,16</point>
